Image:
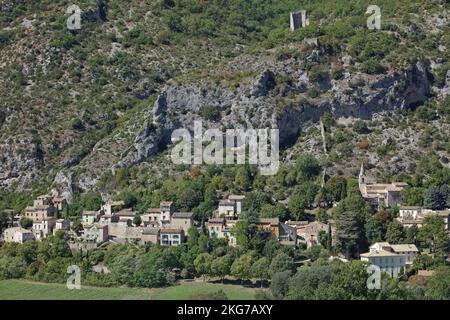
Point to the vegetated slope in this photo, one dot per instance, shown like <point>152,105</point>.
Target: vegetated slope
<point>77,106</point>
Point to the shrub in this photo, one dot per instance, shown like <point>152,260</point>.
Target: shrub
<point>77,124</point>
<point>360,127</point>
<point>210,113</point>
<point>372,66</point>
<point>313,92</point>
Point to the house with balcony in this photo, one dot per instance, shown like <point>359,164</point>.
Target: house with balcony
<point>393,259</point>
<point>171,236</point>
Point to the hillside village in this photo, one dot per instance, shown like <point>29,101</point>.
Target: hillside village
<point>363,120</point>
<point>165,226</point>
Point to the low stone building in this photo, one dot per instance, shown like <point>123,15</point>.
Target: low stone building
<point>59,203</point>
<point>414,216</point>
<point>88,217</point>
<point>150,235</point>
<point>183,220</point>
<point>269,228</point>
<point>96,233</point>
<point>17,234</point>
<point>142,235</point>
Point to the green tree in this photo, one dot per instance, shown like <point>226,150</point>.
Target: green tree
<point>395,233</point>
<point>434,235</point>
<point>202,264</point>
<point>241,267</point>
<point>281,262</point>
<point>26,222</point>
<point>374,230</point>
<point>151,271</point>
<point>438,285</point>
<point>137,221</point>
<point>221,266</point>
<point>123,269</point>
<point>260,269</point>
<point>360,127</point>
<point>307,167</point>
<point>437,197</point>
<point>350,237</point>
<point>302,198</point>
<point>335,189</point>
<point>279,284</point>
<point>322,216</point>
<point>242,179</point>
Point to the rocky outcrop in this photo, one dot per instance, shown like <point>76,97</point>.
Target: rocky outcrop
<point>179,106</point>
<point>63,186</point>
<point>444,92</point>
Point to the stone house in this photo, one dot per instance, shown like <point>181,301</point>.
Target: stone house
<point>391,258</point>
<point>96,233</point>
<point>171,236</point>
<point>183,220</point>
<point>43,228</point>
<point>42,209</point>
<point>17,234</point>
<point>238,203</point>
<point>62,224</point>
<point>159,217</point>
<point>380,195</point>
<point>88,217</point>
<point>150,235</point>
<point>59,203</point>
<point>269,228</point>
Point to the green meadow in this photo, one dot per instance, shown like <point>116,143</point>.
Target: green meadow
<point>26,290</point>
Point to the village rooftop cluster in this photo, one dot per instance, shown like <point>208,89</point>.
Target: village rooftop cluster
<point>165,226</point>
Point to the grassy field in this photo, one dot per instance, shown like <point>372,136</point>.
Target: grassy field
<point>25,290</point>
<point>19,289</point>
<point>184,290</point>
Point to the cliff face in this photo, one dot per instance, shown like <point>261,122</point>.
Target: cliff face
<point>255,104</point>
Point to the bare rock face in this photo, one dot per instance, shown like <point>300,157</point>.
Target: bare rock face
<point>264,100</point>
<point>445,90</point>
<point>63,186</point>
<point>8,5</point>
<point>265,83</point>
<point>179,106</point>
<point>20,160</point>
<point>97,13</point>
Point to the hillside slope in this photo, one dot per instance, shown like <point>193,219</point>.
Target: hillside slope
<point>75,107</point>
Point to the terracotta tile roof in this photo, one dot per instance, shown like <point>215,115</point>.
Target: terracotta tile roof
<point>171,230</point>
<point>182,215</point>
